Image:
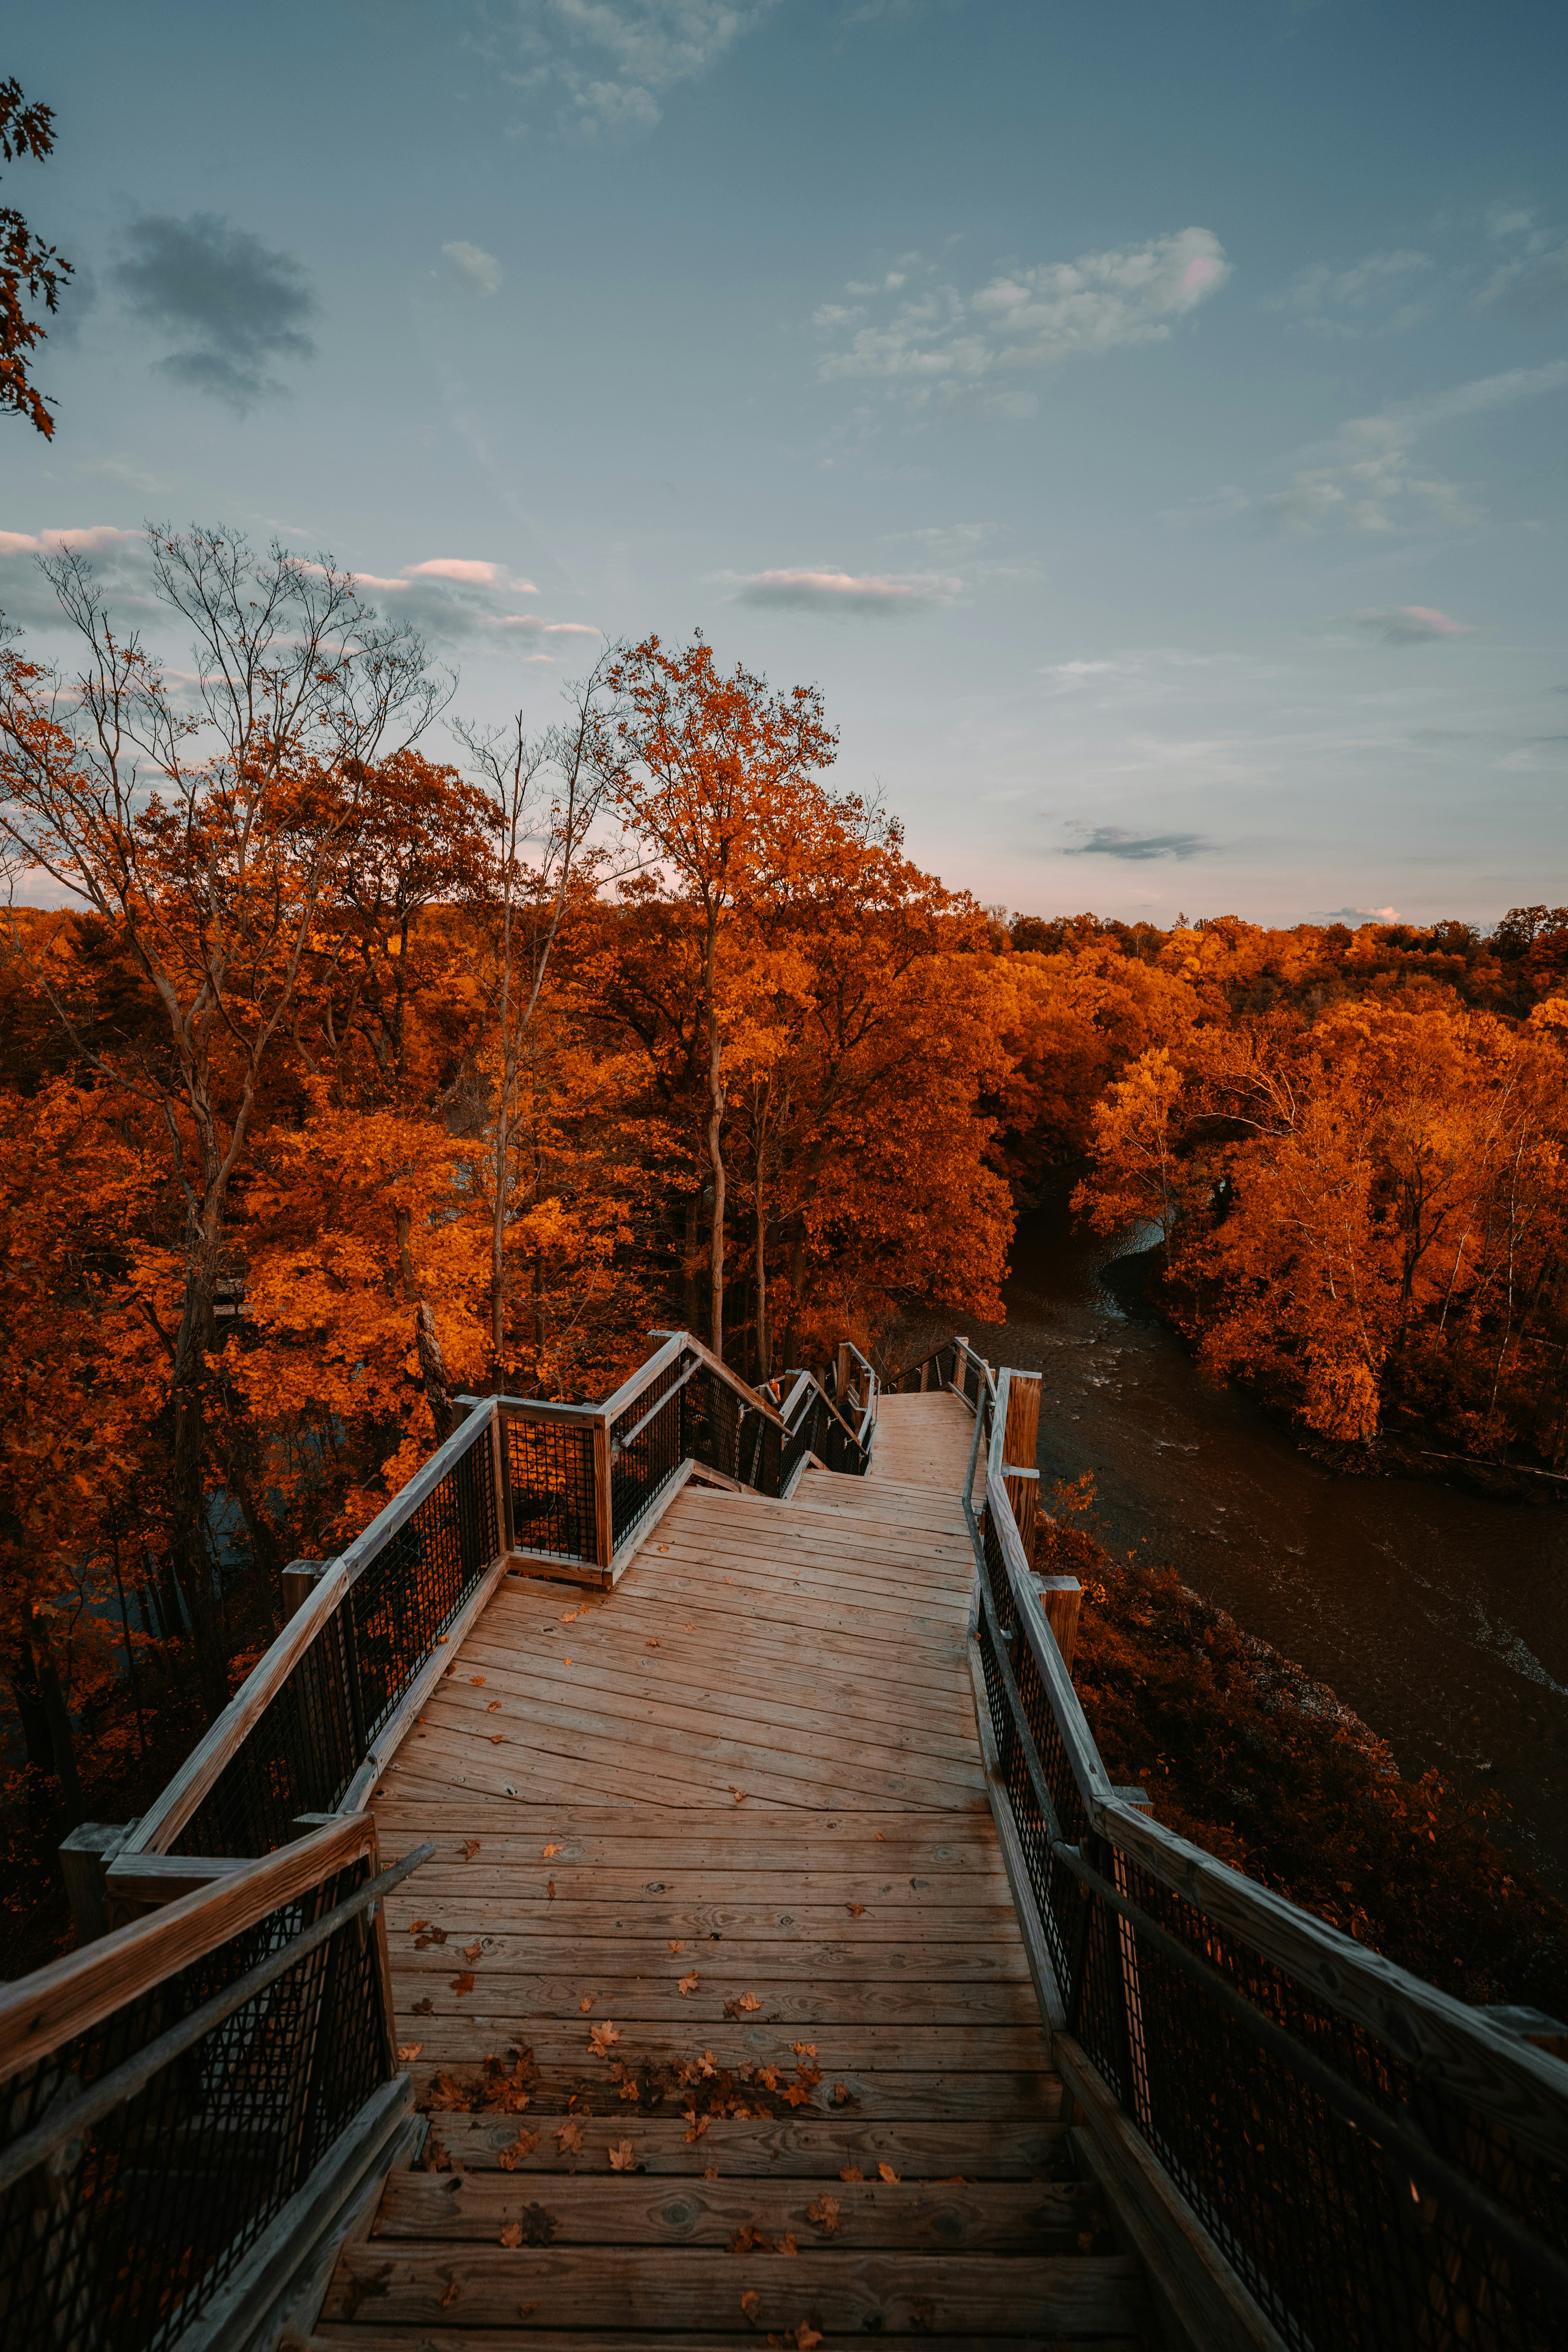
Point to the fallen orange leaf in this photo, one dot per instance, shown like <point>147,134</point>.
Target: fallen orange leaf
<point>494,1707</point>
<point>586,2003</point>
<point>855,1910</point>
<point>885,2172</point>
<point>469,1848</point>
<point>687,1984</point>
<point>463,1984</point>
<point>623,2158</point>
<point>551,1852</point>
<point>513,2234</point>
<point>676,1944</point>
<point>409,2050</point>
<point>751,2303</point>
<point>477,1681</point>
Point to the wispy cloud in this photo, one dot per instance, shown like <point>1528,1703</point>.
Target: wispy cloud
<point>1354,916</point>
<point>609,63</point>
<point>479,271</point>
<point>1532,279</point>
<point>236,308</point>
<point>1115,841</point>
<point>1411,625</point>
<point>844,592</point>
<point>88,540</point>
<point>1376,295</point>
<point>934,344</point>
<point>456,600</point>
<point>1367,479</point>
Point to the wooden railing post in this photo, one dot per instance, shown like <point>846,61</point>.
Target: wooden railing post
<point>299,1580</point>
<point>603,1507</point>
<point>1019,1443</point>
<point>1061,1596</point>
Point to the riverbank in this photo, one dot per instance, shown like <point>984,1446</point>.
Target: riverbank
<point>1245,1755</point>
<point>1416,1451</point>
<point>1439,1616</point>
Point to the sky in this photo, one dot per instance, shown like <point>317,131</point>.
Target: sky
<point>1145,421</point>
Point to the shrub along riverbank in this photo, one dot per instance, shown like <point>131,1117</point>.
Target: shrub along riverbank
<point>1245,1755</point>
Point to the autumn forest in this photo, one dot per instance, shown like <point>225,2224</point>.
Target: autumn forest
<point>341,1079</point>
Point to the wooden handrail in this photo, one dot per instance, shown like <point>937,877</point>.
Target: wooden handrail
<point>1474,2057</point>
<point>633,1386</point>
<point>759,1402</point>
<point>174,1804</point>
<point>77,1992</point>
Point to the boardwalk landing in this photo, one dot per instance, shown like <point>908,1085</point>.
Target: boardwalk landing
<point>729,1821</point>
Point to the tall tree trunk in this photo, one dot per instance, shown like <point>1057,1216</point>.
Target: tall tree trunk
<point>22,1674</point>
<point>191,1561</point>
<point>715,1153</point>
<point>760,1253</point>
<point>59,1724</point>
<point>404,1221</point>
<point>432,1364</point>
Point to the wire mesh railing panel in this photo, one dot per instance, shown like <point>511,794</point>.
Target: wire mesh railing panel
<point>1347,2186</point>
<point>1337,2238</point>
<point>305,1746</point>
<point>645,1448</point>
<point>550,1479</point>
<point>119,2239</point>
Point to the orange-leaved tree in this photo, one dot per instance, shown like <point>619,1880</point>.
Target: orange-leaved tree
<point>203,827</point>
<point>718,776</point>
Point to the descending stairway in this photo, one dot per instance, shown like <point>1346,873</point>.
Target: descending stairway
<point>713,1992</point>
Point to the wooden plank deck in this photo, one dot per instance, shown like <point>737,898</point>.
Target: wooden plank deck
<point>923,1440</point>
<point>714,1991</point>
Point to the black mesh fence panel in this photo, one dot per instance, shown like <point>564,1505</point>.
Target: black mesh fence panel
<point>309,1741</point>
<point>1339,2245</point>
<point>119,2240</point>
<point>550,1479</point>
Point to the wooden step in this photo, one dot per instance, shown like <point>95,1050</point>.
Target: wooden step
<point>1014,2147</point>
<point>896,2294</point>
<point>838,2216</point>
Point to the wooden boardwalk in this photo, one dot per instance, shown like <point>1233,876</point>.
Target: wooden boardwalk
<point>714,1989</point>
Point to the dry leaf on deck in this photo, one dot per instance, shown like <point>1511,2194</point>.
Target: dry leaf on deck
<point>652,1644</point>
<point>498,1739</point>
<point>676,1944</point>
<point>687,1984</point>
<point>447,2097</point>
<point>824,2214</point>
<point>623,2158</point>
<point>409,2050</point>
<point>881,1837</point>
<point>885,2172</point>
<point>855,1910</point>
<point>522,2147</point>
<point>786,2244</point>
<point>415,1926</point>
<point>739,1794</point>
<point>842,2095</point>
<point>450,2297</point>
<point>494,1708</point>
<point>851,2172</point>
<point>425,2008</point>
<point>602,2039</point>
<point>804,2049</point>
<point>477,1681</point>
<point>464,1984</point>
<point>748,2239</point>
<point>751,2303</point>
<point>430,1934</point>
<point>807,2337</point>
<point>469,1848</point>
<point>746,2001</point>
<point>569,2137</point>
<point>570,1616</point>
<point>711,2172</point>
<point>550,1888</point>
<point>586,2003</point>
<point>473,1952</point>
<point>696,2125</point>
<point>551,1852</point>
<point>513,2234</point>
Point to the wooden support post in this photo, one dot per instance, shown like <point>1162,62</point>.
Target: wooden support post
<point>85,1857</point>
<point>1062,1595</point>
<point>1023,1491</point>
<point>604,1509</point>
<point>841,1375</point>
<point>300,1581</point>
<point>1020,1446</point>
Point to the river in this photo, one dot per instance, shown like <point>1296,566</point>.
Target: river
<point>1440,1617</point>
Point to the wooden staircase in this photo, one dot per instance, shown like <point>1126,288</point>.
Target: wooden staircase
<point>714,1993</point>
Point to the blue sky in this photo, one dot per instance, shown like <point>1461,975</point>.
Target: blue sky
<point>1144,421</point>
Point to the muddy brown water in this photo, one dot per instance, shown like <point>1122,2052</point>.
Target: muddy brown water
<point>1440,1616</point>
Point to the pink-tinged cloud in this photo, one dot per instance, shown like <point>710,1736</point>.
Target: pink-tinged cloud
<point>88,542</point>
<point>844,592</point>
<point>1411,625</point>
<point>457,567</point>
<point>1201,270</point>
<point>529,624</point>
